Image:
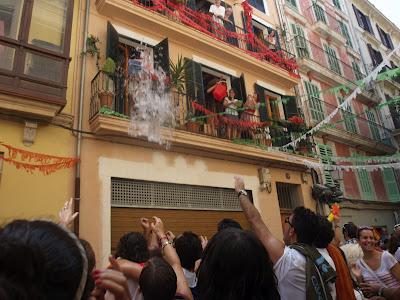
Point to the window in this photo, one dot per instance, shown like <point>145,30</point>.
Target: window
<point>336,4</point>
<point>325,152</point>
<point>288,195</point>
<point>345,33</point>
<point>357,71</point>
<point>376,56</point>
<point>385,38</point>
<point>373,126</point>
<point>363,20</point>
<point>292,3</point>
<point>259,4</point>
<point>314,103</point>
<point>332,59</point>
<point>300,41</point>
<point>269,107</point>
<point>34,47</point>
<point>392,189</point>
<point>348,116</point>
<point>365,183</point>
<point>319,13</point>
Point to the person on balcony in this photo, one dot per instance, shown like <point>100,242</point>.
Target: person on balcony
<point>218,13</point>
<point>229,26</point>
<point>250,114</point>
<point>231,112</point>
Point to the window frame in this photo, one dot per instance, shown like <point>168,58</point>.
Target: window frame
<point>326,158</point>
<point>292,4</point>
<point>315,104</point>
<point>336,4</point>
<point>333,60</point>
<point>385,37</point>
<point>15,80</point>
<point>345,33</point>
<point>265,6</point>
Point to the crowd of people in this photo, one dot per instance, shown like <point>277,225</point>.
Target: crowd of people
<point>44,260</point>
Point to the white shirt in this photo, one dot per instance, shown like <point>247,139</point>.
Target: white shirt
<point>191,278</point>
<point>290,271</point>
<point>397,254</point>
<point>134,291</point>
<point>217,11</point>
<point>353,252</point>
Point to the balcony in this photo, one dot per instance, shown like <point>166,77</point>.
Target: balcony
<point>351,129</point>
<point>199,31</point>
<point>195,130</point>
<point>325,24</point>
<point>391,83</point>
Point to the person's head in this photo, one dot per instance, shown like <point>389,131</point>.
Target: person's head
<point>228,12</point>
<point>188,247</point>
<point>41,260</point>
<point>349,231</point>
<point>366,238</point>
<point>301,226</point>
<point>157,280</point>
<point>235,265</point>
<point>217,2</point>
<point>394,244</point>
<point>232,93</point>
<point>397,230</point>
<point>325,233</point>
<point>228,223</point>
<point>133,246</point>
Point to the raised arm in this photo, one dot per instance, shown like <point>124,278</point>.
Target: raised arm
<point>274,246</point>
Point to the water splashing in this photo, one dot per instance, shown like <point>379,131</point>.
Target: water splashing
<point>152,108</point>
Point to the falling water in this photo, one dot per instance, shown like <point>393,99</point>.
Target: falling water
<point>152,108</point>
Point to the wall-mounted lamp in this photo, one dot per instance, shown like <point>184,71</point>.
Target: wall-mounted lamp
<point>265,179</point>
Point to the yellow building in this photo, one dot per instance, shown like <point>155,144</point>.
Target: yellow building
<point>35,103</point>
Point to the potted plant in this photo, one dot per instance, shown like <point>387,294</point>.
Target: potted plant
<point>296,124</point>
<point>177,74</point>
<point>193,124</point>
<point>92,48</point>
<point>106,94</point>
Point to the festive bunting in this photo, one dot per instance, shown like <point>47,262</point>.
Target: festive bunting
<point>32,161</point>
<point>348,168</point>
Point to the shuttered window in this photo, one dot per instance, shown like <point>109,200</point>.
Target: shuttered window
<point>392,188</point>
<point>259,4</point>
<point>332,59</point>
<point>325,152</point>
<point>373,126</point>
<point>336,3</point>
<point>288,195</point>
<point>385,38</point>
<point>365,183</point>
<point>348,116</point>
<point>314,103</point>
<point>363,20</point>
<point>357,71</point>
<point>319,13</point>
<point>292,3</point>
<point>345,33</point>
<point>300,41</point>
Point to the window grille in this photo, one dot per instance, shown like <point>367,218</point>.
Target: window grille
<point>288,195</point>
<point>150,194</point>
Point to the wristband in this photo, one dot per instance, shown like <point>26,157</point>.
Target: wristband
<point>166,243</point>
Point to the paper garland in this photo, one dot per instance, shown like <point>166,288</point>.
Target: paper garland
<point>348,168</point>
<point>32,161</point>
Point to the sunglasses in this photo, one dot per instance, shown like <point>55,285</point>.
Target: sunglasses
<point>288,222</point>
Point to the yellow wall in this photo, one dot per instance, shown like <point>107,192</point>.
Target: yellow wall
<point>25,195</point>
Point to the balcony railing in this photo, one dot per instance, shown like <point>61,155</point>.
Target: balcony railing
<point>310,51</point>
<point>347,121</point>
<point>224,31</point>
<point>110,97</point>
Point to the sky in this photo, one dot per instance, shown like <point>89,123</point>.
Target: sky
<point>390,8</point>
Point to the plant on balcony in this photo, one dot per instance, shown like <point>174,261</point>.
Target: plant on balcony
<point>193,123</point>
<point>92,48</point>
<point>295,124</point>
<point>305,146</point>
<point>177,74</point>
<point>106,94</point>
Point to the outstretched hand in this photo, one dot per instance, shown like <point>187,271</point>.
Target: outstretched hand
<point>158,227</point>
<point>239,184</point>
<point>66,214</point>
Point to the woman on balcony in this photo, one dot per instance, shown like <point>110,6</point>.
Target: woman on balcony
<point>231,105</point>
<point>250,114</point>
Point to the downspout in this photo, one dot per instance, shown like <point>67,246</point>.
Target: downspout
<point>77,193</point>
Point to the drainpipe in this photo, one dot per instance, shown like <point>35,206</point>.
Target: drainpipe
<point>77,193</point>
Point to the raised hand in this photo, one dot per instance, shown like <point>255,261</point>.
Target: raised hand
<point>239,184</point>
<point>66,214</point>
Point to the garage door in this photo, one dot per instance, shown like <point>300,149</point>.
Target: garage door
<point>182,207</point>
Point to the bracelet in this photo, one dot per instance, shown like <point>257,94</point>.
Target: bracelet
<point>165,244</point>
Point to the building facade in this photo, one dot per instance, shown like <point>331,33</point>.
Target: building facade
<point>333,52</point>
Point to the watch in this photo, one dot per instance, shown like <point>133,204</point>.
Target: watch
<point>242,192</point>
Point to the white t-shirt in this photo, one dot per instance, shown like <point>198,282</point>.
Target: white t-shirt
<point>217,11</point>
<point>133,287</point>
<point>382,273</point>
<point>191,278</point>
<point>397,254</point>
<point>353,252</point>
<point>290,271</point>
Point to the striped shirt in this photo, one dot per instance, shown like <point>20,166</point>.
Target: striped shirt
<point>382,273</point>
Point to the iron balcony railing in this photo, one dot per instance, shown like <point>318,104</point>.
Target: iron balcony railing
<point>110,96</point>
<point>329,61</point>
<point>224,31</point>
<point>364,125</point>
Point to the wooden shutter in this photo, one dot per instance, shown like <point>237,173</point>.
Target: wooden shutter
<point>239,86</point>
<point>372,125</point>
<point>112,42</point>
<point>369,26</point>
<point>194,82</point>
<point>348,116</point>
<point>290,107</point>
<point>358,16</point>
<point>292,3</point>
<point>319,13</point>
<point>325,152</point>
<point>263,105</point>
<point>345,33</point>
<point>315,104</point>
<point>332,59</point>
<point>161,56</point>
<point>336,3</point>
<point>300,41</point>
<point>392,188</point>
<point>366,185</point>
<point>357,71</point>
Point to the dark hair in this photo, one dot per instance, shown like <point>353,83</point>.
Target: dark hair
<point>235,265</point>
<point>305,223</point>
<point>188,247</point>
<point>39,260</point>
<point>228,223</point>
<point>350,229</point>
<point>91,259</point>
<point>362,228</point>
<point>133,246</point>
<point>157,280</point>
<point>325,233</point>
<point>394,244</point>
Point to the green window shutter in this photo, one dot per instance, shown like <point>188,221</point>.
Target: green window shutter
<point>348,116</point>
<point>292,3</point>
<point>392,188</point>
<point>325,152</point>
<point>336,3</point>
<point>315,104</point>
<point>357,71</point>
<point>332,59</point>
<point>345,33</point>
<point>365,183</point>
<point>319,13</point>
<point>300,41</point>
<point>372,125</point>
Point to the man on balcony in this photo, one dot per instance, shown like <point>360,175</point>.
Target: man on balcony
<point>218,12</point>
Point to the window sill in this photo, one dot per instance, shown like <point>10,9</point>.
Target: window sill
<point>295,13</point>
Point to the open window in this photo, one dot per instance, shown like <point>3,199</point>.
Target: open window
<point>271,108</point>
<point>127,53</point>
